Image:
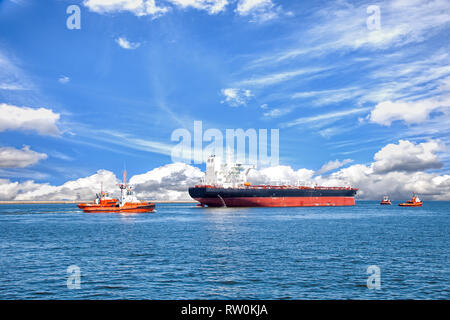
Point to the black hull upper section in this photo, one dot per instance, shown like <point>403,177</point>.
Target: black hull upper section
<point>207,192</point>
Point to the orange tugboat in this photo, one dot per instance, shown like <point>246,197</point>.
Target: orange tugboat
<point>386,201</point>
<point>127,202</point>
<point>102,200</point>
<point>414,202</point>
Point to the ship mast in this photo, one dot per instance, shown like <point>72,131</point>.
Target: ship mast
<point>123,188</point>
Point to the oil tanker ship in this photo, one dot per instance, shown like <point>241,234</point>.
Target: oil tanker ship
<point>225,185</point>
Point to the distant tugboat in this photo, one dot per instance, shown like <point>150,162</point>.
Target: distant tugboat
<point>126,203</point>
<point>414,202</point>
<point>386,201</point>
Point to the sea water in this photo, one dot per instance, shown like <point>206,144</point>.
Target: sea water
<point>186,252</point>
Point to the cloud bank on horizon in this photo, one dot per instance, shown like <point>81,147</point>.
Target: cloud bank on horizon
<point>369,107</point>
<point>397,169</point>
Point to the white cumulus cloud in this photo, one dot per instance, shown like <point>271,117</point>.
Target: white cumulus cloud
<point>236,97</point>
<point>398,185</point>
<point>258,10</point>
<point>64,79</point>
<point>386,112</point>
<point>170,182</point>
<point>19,158</point>
<point>397,170</point>
<point>83,188</point>
<point>137,7</point>
<point>407,156</point>
<point>211,6</point>
<point>41,120</point>
<point>149,7</point>
<point>280,175</point>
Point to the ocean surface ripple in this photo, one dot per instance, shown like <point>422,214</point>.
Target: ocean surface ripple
<point>185,252</point>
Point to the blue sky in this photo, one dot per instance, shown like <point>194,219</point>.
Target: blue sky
<point>130,76</point>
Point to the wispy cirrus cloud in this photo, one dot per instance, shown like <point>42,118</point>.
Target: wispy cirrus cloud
<point>277,77</point>
<point>329,96</point>
<point>335,115</point>
<point>342,26</point>
<point>332,165</point>
<point>11,86</point>
<point>129,141</point>
<point>396,91</point>
<point>394,63</point>
<point>12,78</point>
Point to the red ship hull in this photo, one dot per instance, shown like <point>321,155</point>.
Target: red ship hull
<point>273,196</point>
<point>278,201</point>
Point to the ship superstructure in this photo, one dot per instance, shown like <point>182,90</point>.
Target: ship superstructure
<point>225,174</point>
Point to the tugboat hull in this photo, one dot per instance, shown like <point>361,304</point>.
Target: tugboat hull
<point>417,204</point>
<point>94,205</point>
<point>135,208</point>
